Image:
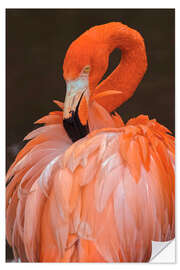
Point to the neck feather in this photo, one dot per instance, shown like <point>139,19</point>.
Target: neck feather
<point>128,74</point>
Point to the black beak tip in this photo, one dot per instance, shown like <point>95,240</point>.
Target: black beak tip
<point>74,128</point>
<point>73,125</point>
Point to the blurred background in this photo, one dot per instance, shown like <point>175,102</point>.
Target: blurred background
<point>36,43</point>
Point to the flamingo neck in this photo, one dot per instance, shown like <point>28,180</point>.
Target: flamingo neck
<point>128,74</point>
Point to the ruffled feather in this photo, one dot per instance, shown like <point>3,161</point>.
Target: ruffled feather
<point>103,198</point>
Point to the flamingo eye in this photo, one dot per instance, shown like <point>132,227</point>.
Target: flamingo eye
<point>86,69</point>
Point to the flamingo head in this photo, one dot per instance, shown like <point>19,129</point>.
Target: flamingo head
<point>84,65</point>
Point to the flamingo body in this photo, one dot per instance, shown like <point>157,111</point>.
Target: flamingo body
<point>108,195</point>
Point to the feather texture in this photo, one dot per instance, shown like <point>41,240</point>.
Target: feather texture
<point>61,192</point>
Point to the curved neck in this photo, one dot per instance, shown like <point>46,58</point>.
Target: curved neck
<point>128,74</point>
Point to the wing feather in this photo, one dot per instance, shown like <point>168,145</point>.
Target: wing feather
<point>30,176</point>
<point>106,197</point>
<point>129,200</point>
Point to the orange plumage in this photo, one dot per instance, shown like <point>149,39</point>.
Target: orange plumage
<point>106,196</point>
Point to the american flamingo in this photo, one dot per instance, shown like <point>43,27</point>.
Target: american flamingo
<point>87,187</point>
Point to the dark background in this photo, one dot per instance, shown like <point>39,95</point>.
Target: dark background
<point>36,43</point>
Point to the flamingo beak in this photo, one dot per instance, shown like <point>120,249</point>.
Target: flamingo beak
<point>76,89</point>
<point>74,92</point>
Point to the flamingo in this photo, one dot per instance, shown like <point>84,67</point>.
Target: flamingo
<point>87,187</point>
